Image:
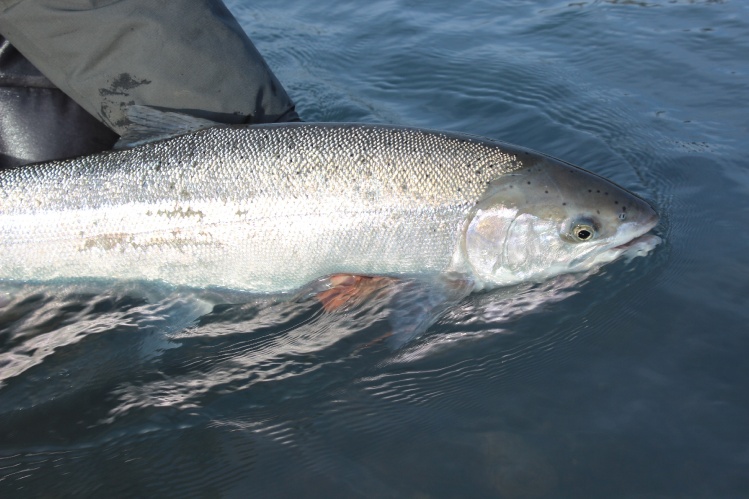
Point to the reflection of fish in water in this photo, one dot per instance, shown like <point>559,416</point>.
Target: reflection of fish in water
<point>269,208</point>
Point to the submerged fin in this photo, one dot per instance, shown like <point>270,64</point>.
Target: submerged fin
<point>413,303</point>
<point>148,125</point>
<point>347,290</point>
<point>419,303</point>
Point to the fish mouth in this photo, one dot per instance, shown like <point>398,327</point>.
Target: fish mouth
<point>633,242</point>
<point>640,236</point>
<point>641,244</point>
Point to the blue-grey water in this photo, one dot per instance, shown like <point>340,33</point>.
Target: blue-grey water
<point>632,382</point>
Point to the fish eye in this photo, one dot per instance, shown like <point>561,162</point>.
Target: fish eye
<point>583,231</point>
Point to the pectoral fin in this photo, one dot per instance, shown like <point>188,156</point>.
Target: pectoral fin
<point>413,303</point>
<point>347,290</point>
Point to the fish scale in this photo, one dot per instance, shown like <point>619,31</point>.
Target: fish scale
<point>261,208</point>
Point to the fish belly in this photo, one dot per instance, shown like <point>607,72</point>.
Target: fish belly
<point>277,252</point>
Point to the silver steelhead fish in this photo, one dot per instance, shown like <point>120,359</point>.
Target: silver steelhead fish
<point>270,208</point>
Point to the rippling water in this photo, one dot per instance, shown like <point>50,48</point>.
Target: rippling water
<point>630,382</point>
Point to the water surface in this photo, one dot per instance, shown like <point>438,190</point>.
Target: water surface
<point>630,382</point>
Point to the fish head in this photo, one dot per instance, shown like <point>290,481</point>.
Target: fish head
<point>549,218</point>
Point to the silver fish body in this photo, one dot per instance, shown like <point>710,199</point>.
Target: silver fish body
<point>270,208</point>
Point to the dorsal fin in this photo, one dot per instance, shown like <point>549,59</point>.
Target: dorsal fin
<point>148,125</point>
